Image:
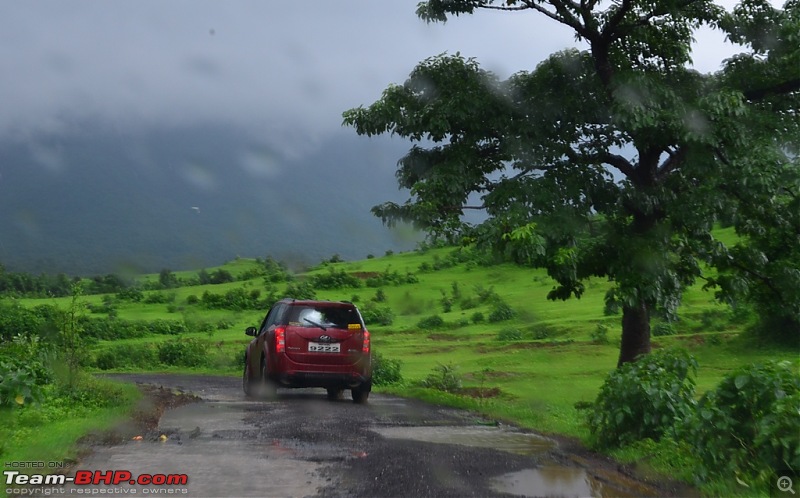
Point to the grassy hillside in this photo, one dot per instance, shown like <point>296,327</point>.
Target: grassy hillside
<point>556,356</point>
<point>520,357</point>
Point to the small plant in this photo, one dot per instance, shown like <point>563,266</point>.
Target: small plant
<point>501,312</point>
<point>644,399</point>
<point>385,371</point>
<point>509,334</point>
<point>443,378</point>
<point>378,315</point>
<point>663,328</point>
<point>431,322</point>
<point>477,317</point>
<point>183,352</point>
<point>380,296</point>
<point>600,334</point>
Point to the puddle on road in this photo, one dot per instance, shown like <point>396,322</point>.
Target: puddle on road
<point>553,481</point>
<point>482,437</point>
<point>547,480</point>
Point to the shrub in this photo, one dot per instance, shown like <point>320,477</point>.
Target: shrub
<point>183,352</point>
<point>144,356</point>
<point>302,290</point>
<point>385,371</point>
<point>643,399</point>
<point>431,322</point>
<point>501,312</point>
<point>600,334</point>
<point>159,298</point>
<point>334,279</point>
<point>509,334</point>
<point>477,317</point>
<point>192,299</point>
<point>379,315</point>
<point>663,328</point>
<point>748,425</point>
<point>443,378</point>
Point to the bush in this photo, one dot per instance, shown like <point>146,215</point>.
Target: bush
<point>334,280</point>
<point>183,352</point>
<point>378,315</point>
<point>431,322</point>
<point>143,356</point>
<point>501,312</point>
<point>302,290</point>
<point>748,425</point>
<point>509,334</point>
<point>643,399</point>
<point>443,378</point>
<point>600,334</point>
<point>385,371</point>
<point>477,317</point>
<point>663,328</point>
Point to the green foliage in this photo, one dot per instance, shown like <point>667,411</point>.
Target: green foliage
<point>334,279</point>
<point>501,312</point>
<point>600,334</point>
<point>301,290</point>
<point>663,328</point>
<point>131,294</point>
<point>185,352</point>
<point>477,317</point>
<point>238,299</point>
<point>643,399</point>
<point>385,371</point>
<point>748,425</point>
<point>17,320</point>
<point>443,378</point>
<point>509,334</point>
<point>143,356</point>
<point>379,297</point>
<point>614,160</point>
<point>431,322</point>
<point>390,277</point>
<point>378,315</point>
<point>159,297</point>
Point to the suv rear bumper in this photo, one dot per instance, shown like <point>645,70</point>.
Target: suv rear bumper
<point>323,379</point>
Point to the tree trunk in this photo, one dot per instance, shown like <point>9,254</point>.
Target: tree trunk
<point>635,333</point>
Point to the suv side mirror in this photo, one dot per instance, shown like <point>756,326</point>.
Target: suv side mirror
<point>251,331</point>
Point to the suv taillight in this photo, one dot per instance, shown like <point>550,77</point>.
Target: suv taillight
<point>280,340</point>
<point>365,347</point>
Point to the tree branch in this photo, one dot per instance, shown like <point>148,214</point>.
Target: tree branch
<point>781,88</point>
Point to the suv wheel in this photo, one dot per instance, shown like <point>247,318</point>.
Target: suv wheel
<point>361,393</point>
<point>247,384</point>
<point>269,389</point>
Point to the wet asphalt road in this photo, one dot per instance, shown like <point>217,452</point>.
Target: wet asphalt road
<point>302,444</point>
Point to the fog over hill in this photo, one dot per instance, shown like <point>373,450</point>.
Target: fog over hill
<point>98,201</point>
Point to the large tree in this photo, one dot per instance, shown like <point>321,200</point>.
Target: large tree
<point>610,162</point>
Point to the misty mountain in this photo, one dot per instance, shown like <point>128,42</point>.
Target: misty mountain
<point>102,201</point>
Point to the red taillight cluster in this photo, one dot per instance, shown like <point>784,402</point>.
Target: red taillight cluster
<point>365,347</point>
<point>280,340</point>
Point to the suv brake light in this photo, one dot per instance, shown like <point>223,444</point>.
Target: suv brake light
<point>280,340</point>
<point>365,347</point>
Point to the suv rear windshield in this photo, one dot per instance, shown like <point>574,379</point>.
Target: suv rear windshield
<point>328,316</point>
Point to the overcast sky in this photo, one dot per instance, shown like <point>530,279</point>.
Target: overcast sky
<point>275,67</point>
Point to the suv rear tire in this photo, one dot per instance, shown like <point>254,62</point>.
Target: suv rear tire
<point>361,393</point>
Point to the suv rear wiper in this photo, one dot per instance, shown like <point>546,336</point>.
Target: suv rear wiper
<point>315,323</point>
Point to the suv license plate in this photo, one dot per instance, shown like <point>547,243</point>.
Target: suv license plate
<point>315,347</point>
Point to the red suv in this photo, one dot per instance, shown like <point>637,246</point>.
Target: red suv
<point>309,344</point>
